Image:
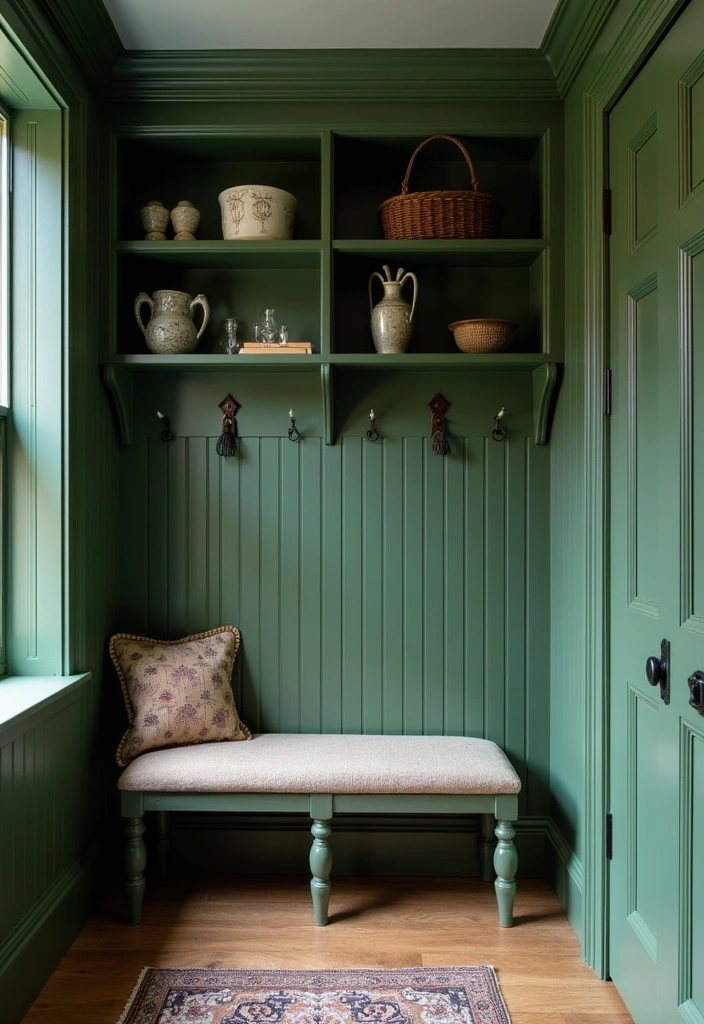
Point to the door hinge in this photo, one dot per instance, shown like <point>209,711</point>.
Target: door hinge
<point>609,836</point>
<point>606,211</point>
<point>607,392</point>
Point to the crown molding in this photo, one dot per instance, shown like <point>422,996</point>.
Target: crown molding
<point>335,75</point>
<point>569,38</point>
<point>86,31</point>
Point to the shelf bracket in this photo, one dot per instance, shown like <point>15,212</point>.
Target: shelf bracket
<point>120,384</point>
<point>326,386</point>
<point>544,387</point>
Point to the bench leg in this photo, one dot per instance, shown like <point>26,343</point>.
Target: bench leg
<point>505,864</point>
<point>320,867</point>
<point>135,863</point>
<point>486,848</point>
<point>161,842</point>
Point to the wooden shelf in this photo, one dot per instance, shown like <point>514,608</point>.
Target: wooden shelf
<point>118,376</point>
<point>226,254</point>
<point>485,252</point>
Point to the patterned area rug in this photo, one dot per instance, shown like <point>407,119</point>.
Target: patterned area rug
<point>412,995</point>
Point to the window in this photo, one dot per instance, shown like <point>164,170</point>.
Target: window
<point>4,367</point>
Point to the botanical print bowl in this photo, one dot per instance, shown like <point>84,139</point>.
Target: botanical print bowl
<point>257,211</point>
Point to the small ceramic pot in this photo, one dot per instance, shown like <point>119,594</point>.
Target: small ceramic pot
<point>257,212</point>
<point>185,219</point>
<point>155,220</point>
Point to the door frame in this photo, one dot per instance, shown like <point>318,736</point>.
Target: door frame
<point>639,35</point>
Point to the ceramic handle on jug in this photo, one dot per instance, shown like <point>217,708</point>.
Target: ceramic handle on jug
<point>200,300</point>
<point>415,290</point>
<point>138,303</point>
<point>374,274</point>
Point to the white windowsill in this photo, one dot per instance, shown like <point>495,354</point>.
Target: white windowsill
<point>23,696</point>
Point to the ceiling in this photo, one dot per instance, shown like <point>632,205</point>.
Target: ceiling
<point>323,24</point>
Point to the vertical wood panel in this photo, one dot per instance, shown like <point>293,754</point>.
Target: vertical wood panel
<point>516,608</point>
<point>536,771</point>
<point>215,607</point>
<point>373,578</point>
<point>433,517</point>
<point>310,610</point>
<point>393,665</point>
<point>352,638</point>
<point>270,573</point>
<point>414,584</point>
<point>250,543</point>
<point>474,586</point>
<point>196,547</point>
<point>157,509</point>
<point>454,639</point>
<point>495,591</point>
<point>291,556</point>
<point>177,534</point>
<point>332,590</point>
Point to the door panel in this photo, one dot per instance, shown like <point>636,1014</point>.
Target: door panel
<point>657,529</point>
<point>641,522</point>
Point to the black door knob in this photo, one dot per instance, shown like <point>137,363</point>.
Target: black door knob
<point>653,671</point>
<point>657,671</point>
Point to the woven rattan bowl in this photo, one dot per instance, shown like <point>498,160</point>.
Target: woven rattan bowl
<point>482,335</point>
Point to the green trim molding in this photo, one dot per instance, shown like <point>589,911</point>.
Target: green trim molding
<point>338,75</point>
<point>570,36</point>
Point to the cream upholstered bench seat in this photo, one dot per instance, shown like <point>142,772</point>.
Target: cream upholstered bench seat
<point>321,775</point>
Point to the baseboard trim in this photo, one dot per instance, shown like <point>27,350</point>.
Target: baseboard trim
<point>34,947</point>
<point>566,873</point>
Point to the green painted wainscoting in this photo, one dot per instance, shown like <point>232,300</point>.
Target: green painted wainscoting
<point>379,588</point>
<point>49,854</point>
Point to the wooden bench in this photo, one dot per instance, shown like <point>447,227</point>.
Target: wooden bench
<point>322,775</point>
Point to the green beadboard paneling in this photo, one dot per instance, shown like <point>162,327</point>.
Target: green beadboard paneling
<point>378,587</point>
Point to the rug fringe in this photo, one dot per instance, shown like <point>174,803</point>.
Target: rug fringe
<point>489,967</point>
<point>128,1005</point>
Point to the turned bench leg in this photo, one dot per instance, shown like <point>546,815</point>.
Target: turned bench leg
<point>135,863</point>
<point>505,865</point>
<point>320,867</point>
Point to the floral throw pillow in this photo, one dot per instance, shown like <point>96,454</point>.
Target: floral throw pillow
<point>177,692</point>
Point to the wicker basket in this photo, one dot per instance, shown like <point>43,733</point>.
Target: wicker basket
<point>482,335</point>
<point>445,213</point>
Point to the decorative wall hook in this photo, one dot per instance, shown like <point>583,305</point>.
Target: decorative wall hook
<point>227,442</point>
<point>372,433</point>
<point>167,433</point>
<point>439,406</point>
<point>293,432</point>
<point>498,433</point>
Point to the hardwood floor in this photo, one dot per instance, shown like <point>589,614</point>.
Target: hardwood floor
<point>381,922</point>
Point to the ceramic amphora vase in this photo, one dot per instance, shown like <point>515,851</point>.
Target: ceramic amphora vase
<point>170,329</point>
<point>392,317</point>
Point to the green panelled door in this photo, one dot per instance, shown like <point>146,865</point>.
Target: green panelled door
<point>657,531</point>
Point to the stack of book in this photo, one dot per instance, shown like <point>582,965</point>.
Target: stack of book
<point>291,348</point>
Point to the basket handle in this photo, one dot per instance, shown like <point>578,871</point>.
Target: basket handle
<point>431,138</point>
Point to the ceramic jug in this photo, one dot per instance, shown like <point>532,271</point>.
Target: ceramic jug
<point>392,317</point>
<point>170,329</point>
